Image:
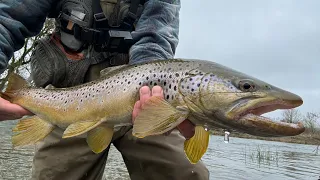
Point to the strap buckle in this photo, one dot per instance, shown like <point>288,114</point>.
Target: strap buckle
<point>100,17</point>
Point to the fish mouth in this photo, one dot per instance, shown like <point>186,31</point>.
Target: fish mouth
<point>251,121</point>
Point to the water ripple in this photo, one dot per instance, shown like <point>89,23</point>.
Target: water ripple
<point>238,159</point>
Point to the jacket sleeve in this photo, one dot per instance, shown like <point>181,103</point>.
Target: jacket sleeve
<point>157,30</point>
<point>20,19</point>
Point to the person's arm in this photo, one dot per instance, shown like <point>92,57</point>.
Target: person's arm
<point>20,19</point>
<point>157,38</point>
<point>157,31</point>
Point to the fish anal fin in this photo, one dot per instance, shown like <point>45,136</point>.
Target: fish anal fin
<point>79,128</point>
<point>196,146</point>
<point>157,117</point>
<point>100,137</point>
<point>30,130</point>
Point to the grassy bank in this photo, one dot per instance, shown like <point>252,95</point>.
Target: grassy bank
<point>304,138</point>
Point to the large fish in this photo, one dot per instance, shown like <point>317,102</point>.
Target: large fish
<point>208,94</point>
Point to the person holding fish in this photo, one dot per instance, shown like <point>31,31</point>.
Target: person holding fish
<point>92,35</point>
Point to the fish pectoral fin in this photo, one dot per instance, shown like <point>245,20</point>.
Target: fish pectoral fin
<point>30,130</point>
<point>79,128</point>
<point>100,137</point>
<point>157,117</point>
<point>196,146</point>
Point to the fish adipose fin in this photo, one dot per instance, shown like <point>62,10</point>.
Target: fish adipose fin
<point>30,130</point>
<point>196,146</point>
<point>157,117</point>
<point>100,137</point>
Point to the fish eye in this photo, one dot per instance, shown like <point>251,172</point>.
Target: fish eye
<point>247,86</point>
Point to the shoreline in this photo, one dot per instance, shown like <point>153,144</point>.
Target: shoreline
<point>304,138</point>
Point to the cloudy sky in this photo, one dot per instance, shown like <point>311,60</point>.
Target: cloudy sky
<point>276,41</point>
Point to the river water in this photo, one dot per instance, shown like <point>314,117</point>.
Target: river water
<point>239,159</point>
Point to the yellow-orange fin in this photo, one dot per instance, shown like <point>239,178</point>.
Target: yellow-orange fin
<point>79,128</point>
<point>15,83</point>
<point>196,146</point>
<point>100,137</point>
<point>30,130</point>
<point>157,117</point>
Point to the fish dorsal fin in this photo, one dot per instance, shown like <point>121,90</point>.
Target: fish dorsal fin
<point>30,130</point>
<point>49,86</point>
<point>79,128</point>
<point>100,137</point>
<point>196,146</point>
<point>157,117</point>
<point>106,71</point>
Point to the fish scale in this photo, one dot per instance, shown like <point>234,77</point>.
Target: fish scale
<point>204,92</point>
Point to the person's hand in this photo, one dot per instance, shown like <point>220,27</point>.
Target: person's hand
<point>9,111</point>
<point>186,128</point>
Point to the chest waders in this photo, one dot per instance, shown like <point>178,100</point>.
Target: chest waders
<point>89,36</point>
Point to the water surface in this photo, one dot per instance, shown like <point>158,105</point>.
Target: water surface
<point>240,159</point>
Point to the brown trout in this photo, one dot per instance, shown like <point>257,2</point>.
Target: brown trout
<point>208,94</point>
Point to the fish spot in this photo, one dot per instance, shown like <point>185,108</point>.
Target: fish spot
<point>167,97</point>
<point>177,75</point>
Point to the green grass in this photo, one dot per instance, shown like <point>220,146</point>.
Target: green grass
<point>261,155</point>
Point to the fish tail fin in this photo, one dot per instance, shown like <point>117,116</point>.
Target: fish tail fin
<point>30,130</point>
<point>15,83</point>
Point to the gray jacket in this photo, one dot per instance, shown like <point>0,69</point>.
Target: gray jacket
<point>156,33</point>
